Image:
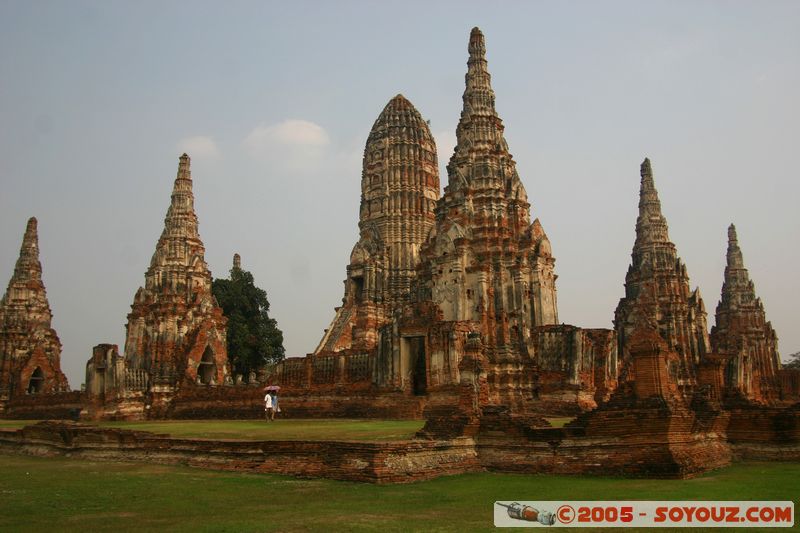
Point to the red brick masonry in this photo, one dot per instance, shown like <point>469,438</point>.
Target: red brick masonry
<point>571,450</point>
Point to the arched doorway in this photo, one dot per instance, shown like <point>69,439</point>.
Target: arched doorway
<point>207,369</point>
<point>36,382</point>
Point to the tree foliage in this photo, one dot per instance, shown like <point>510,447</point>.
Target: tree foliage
<point>254,338</point>
<point>794,361</point>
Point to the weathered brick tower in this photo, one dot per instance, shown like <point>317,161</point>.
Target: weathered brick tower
<point>658,275</point>
<point>30,351</point>
<point>743,333</point>
<point>399,189</point>
<point>486,262</point>
<point>485,273</point>
<point>176,330</point>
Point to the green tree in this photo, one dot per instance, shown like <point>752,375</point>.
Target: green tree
<point>794,361</point>
<point>254,339</point>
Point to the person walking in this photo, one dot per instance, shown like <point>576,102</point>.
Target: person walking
<point>275,408</point>
<point>268,407</point>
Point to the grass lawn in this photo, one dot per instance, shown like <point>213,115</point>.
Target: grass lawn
<point>281,429</point>
<point>317,429</point>
<point>16,424</point>
<point>45,494</point>
<point>300,429</point>
<point>560,422</point>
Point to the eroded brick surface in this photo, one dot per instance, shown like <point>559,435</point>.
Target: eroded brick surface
<point>30,350</point>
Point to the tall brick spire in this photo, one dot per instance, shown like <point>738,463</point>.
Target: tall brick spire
<point>174,320</point>
<point>743,332</point>
<point>178,264</point>
<point>488,263</point>
<point>181,219</point>
<point>481,151</point>
<point>27,339</point>
<point>480,128</point>
<point>486,267</point>
<point>651,226</point>
<point>657,285</point>
<point>26,297</point>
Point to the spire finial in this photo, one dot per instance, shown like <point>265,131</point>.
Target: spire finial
<point>28,266</point>
<point>646,169</point>
<point>479,127</point>
<point>734,255</point>
<point>477,45</point>
<point>181,220</point>
<point>732,234</point>
<point>31,238</point>
<point>651,226</point>
<point>184,167</point>
<point>237,262</point>
<point>648,195</point>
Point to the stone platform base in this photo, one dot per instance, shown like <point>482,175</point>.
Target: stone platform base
<point>373,462</point>
<point>541,451</point>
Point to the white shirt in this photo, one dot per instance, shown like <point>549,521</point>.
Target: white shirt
<point>268,401</point>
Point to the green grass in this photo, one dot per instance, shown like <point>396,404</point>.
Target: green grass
<point>40,494</point>
<point>16,424</point>
<point>298,429</point>
<point>560,421</point>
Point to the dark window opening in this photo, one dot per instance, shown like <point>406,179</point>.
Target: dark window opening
<point>358,289</point>
<point>419,364</point>
<point>207,369</point>
<point>36,382</point>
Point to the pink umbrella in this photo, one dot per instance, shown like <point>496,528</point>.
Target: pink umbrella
<point>273,388</point>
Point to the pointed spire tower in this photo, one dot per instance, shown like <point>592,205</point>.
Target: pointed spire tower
<point>178,266</point>
<point>30,350</point>
<point>28,268</point>
<point>481,165</point>
<point>657,285</point>
<point>743,333</point>
<point>651,226</point>
<point>176,330</point>
<point>486,261</point>
<point>399,190</point>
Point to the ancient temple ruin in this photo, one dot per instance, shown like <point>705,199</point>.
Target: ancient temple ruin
<point>30,351</point>
<point>175,335</point>
<point>658,275</point>
<point>175,330</point>
<point>449,313</point>
<point>743,333</point>
<point>487,271</point>
<point>399,190</point>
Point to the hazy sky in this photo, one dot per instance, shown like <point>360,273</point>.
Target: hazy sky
<point>274,102</point>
